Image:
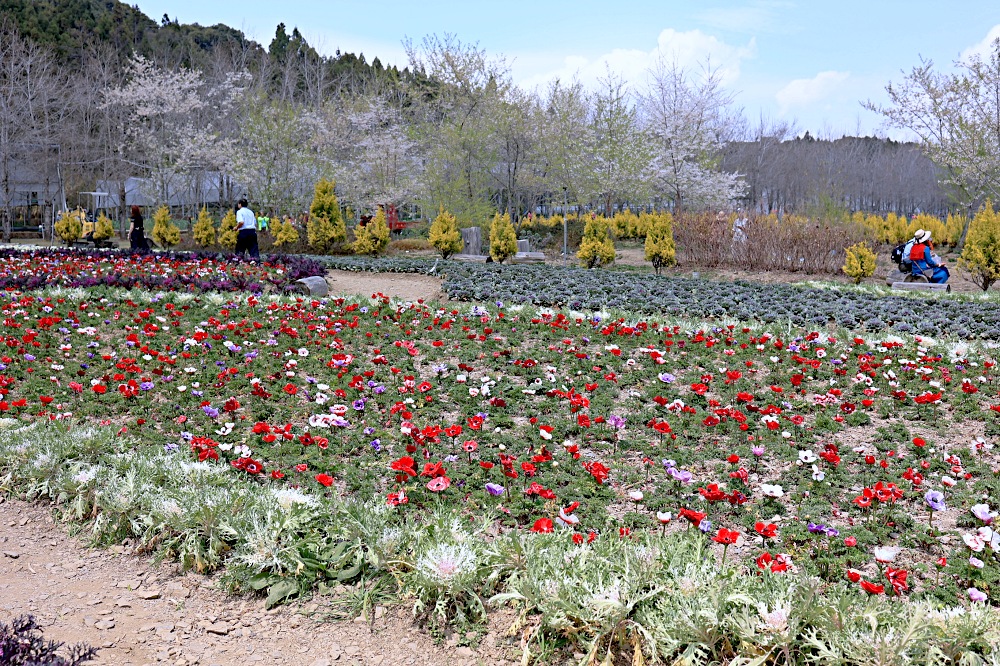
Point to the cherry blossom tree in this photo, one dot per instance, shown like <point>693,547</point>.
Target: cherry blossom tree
<point>687,118</point>
<point>174,123</point>
<point>621,150</point>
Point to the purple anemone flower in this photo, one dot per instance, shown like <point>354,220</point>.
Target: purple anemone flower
<point>935,500</point>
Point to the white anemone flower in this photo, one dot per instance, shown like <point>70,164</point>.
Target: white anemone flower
<point>770,490</point>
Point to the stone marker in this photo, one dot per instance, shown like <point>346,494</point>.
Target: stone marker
<point>472,241</point>
<point>310,286</point>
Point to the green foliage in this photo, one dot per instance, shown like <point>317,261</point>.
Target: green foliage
<point>659,246</point>
<point>69,226</point>
<point>444,234</point>
<point>326,224</point>
<point>981,254</point>
<point>597,249</point>
<point>860,262</point>
<point>204,229</point>
<point>285,233</point>
<point>503,238</point>
<point>228,232</point>
<point>165,232</point>
<point>104,229</point>
<point>373,237</point>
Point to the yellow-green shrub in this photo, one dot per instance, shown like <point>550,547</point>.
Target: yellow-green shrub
<point>596,249</point>
<point>227,231</point>
<point>444,234</point>
<point>895,229</point>
<point>660,247</point>
<point>503,238</point>
<point>285,233</point>
<point>165,232</point>
<point>69,226</point>
<point>373,237</point>
<point>104,229</point>
<point>625,224</point>
<point>326,224</point>
<point>204,229</point>
<point>860,262</point>
<point>981,254</point>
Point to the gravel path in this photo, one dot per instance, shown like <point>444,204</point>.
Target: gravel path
<point>138,612</point>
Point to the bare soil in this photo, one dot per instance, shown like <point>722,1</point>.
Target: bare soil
<point>139,612</point>
<point>407,286</point>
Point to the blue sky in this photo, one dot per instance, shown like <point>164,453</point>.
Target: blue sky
<point>807,61</point>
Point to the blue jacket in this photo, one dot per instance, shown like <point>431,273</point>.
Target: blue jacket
<point>922,258</point>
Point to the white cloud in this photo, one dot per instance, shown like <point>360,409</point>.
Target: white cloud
<point>691,50</point>
<point>807,92</point>
<point>759,16</point>
<point>985,47</point>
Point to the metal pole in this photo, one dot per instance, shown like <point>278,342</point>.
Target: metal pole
<point>565,230</point>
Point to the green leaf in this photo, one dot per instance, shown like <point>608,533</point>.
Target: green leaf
<point>350,572</point>
<point>279,592</point>
<point>262,580</point>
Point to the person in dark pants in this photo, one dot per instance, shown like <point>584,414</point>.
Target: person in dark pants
<point>137,232</point>
<point>246,236</point>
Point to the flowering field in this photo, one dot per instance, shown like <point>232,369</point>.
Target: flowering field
<point>568,463</point>
<point>201,271</point>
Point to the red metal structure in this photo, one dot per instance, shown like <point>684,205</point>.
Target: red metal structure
<point>391,219</point>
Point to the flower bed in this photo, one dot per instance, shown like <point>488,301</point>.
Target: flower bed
<point>576,288</point>
<point>502,442</point>
<point>524,412</point>
<point>201,271</point>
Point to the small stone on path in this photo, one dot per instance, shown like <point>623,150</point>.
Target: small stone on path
<point>218,628</point>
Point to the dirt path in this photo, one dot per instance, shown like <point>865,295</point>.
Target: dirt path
<point>138,612</point>
<point>409,286</point>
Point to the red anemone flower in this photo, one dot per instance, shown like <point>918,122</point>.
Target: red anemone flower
<point>768,531</point>
<point>726,537</point>
<point>542,526</point>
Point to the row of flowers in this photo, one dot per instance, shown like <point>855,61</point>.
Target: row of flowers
<point>171,271</point>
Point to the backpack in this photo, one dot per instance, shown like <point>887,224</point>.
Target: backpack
<point>901,254</point>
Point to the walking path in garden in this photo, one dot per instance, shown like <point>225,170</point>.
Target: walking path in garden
<point>400,285</point>
<point>140,612</point>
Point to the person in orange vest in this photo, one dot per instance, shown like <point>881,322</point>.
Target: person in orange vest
<point>925,262</point>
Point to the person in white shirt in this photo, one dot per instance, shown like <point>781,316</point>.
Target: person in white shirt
<point>246,236</point>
